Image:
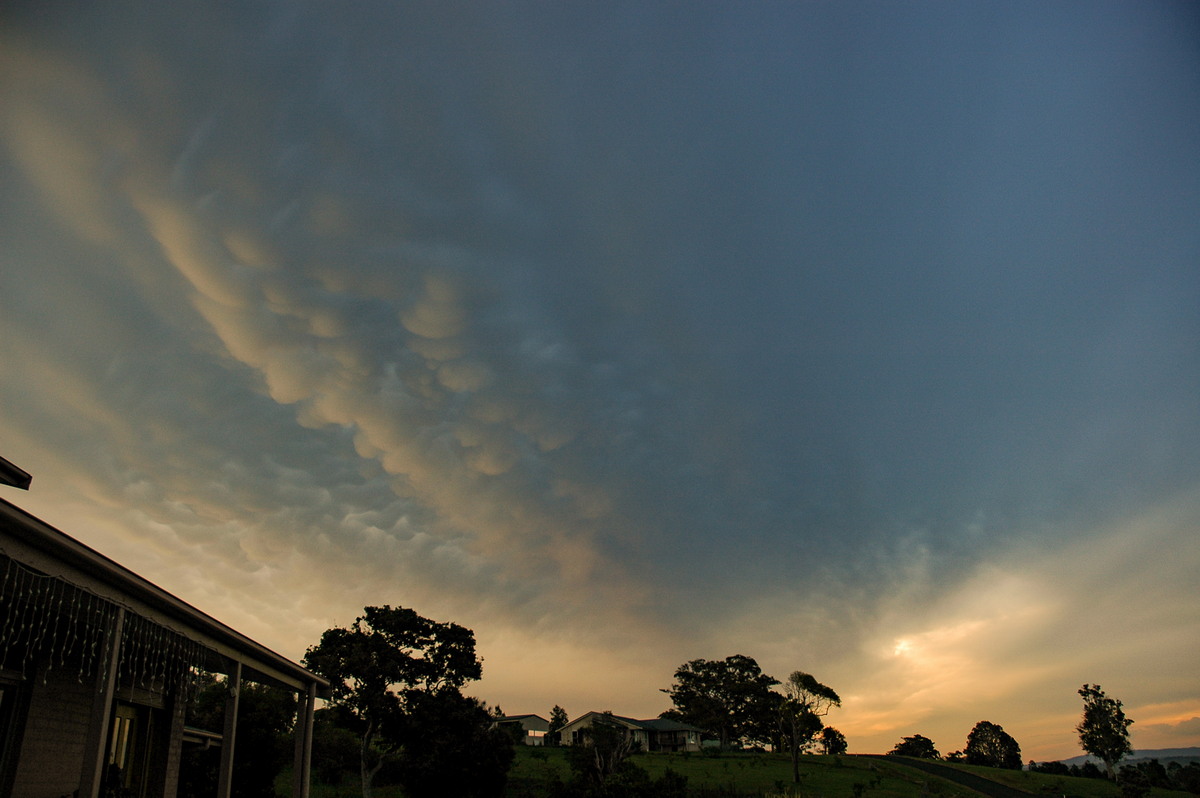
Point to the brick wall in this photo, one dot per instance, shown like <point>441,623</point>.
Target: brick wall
<point>56,728</point>
<point>165,780</point>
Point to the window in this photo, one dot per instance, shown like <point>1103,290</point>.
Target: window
<point>130,749</point>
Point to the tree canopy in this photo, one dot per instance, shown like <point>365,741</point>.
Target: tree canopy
<point>917,746</point>
<point>832,741</point>
<point>558,719</point>
<point>395,676</point>
<point>1104,729</point>
<point>451,747</point>
<point>988,744</point>
<point>804,703</point>
<point>727,698</point>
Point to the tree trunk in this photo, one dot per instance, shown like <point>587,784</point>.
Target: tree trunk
<point>367,773</point>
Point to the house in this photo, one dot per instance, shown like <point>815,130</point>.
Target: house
<point>97,665</point>
<point>656,734</point>
<point>525,729</point>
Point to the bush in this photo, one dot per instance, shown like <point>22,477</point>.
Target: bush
<point>1186,778</point>
<point>264,742</point>
<point>335,754</point>
<point>1050,768</point>
<point>628,781</point>
<point>918,746</point>
<point>452,749</point>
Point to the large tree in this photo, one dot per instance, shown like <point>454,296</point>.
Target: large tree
<point>452,747</point>
<point>725,697</point>
<point>395,676</point>
<point>918,746</point>
<point>805,702</point>
<point>558,719</point>
<point>988,744</point>
<point>1104,729</point>
<point>833,741</point>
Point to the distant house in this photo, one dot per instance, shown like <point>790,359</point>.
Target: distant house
<point>526,729</point>
<point>655,734</point>
<point>97,665</point>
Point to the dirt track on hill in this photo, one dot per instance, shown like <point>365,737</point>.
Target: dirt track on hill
<point>969,780</point>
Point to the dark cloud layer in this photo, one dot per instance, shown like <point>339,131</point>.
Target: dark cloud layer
<point>625,318</point>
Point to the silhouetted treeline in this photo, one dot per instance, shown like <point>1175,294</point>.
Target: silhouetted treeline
<point>1148,774</point>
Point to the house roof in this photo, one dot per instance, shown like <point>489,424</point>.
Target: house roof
<point>11,475</point>
<point>651,724</point>
<point>666,724</point>
<point>530,723</point>
<point>30,540</point>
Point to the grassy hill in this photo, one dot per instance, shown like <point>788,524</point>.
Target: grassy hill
<point>1163,755</point>
<point>739,775</point>
<point>1043,784</point>
<point>761,775</point>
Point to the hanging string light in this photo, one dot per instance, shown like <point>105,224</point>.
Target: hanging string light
<point>57,590</point>
<point>4,594</point>
<point>88,638</point>
<point>9,590</point>
<point>73,646</point>
<point>23,634</point>
<point>46,622</point>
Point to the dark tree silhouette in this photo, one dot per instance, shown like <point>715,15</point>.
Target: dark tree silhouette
<point>805,702</point>
<point>989,745</point>
<point>558,719</point>
<point>917,746</point>
<point>395,678</point>
<point>725,697</point>
<point>452,747</point>
<point>1104,729</point>
<point>832,741</point>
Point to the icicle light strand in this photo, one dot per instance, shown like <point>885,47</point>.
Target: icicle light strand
<point>46,617</point>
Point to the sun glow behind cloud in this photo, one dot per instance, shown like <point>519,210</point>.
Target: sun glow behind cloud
<point>1032,617</point>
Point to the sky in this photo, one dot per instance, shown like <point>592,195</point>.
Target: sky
<point>858,338</point>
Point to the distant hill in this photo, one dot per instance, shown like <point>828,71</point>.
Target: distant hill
<point>1163,755</point>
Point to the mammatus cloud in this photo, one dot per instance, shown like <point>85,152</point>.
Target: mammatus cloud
<point>484,425</point>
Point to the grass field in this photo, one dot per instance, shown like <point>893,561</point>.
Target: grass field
<point>749,774</point>
<point>754,775</point>
<point>1044,784</point>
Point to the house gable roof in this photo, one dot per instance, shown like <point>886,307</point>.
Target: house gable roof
<point>530,723</point>
<point>666,724</point>
<point>652,724</point>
